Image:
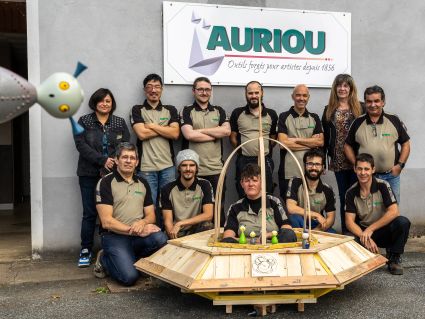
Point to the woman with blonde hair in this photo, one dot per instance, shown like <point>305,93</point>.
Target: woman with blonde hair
<point>342,109</point>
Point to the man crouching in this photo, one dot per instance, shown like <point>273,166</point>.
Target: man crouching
<point>247,211</point>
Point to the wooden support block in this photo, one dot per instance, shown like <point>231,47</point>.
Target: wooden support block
<point>301,307</point>
<point>228,308</point>
<point>261,309</point>
<point>272,309</point>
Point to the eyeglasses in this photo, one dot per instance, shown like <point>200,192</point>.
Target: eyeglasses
<point>202,90</point>
<point>150,87</point>
<point>311,164</point>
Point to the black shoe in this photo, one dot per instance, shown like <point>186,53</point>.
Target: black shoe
<point>394,264</point>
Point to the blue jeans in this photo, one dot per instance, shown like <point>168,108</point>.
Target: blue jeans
<point>88,223</point>
<point>344,179</point>
<point>157,180</point>
<point>297,221</point>
<point>120,252</point>
<point>394,182</point>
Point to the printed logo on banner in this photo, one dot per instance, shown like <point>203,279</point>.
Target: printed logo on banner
<point>277,46</point>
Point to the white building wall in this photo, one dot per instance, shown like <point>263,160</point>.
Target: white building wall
<point>121,42</point>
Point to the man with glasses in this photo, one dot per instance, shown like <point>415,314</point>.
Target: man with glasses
<point>156,126</point>
<point>127,215</point>
<point>372,215</point>
<point>379,134</point>
<point>300,130</point>
<point>204,126</point>
<point>321,195</point>
<point>244,126</point>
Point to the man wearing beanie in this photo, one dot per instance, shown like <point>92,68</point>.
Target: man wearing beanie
<point>187,203</point>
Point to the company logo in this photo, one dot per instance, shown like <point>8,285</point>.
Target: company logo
<point>210,43</point>
<point>196,197</point>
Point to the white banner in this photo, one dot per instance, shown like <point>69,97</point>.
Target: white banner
<point>234,45</point>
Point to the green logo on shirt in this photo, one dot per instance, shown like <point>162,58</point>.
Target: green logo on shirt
<point>317,202</point>
<point>215,119</point>
<point>196,197</point>
<point>163,118</point>
<point>310,126</point>
<point>386,134</point>
<point>139,193</point>
<point>376,204</point>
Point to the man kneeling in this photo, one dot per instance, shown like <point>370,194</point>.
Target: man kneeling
<point>126,211</point>
<point>247,211</point>
<point>372,215</point>
<point>187,203</point>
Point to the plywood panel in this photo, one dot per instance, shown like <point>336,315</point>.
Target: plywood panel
<point>320,270</point>
<point>294,265</point>
<point>307,265</point>
<point>237,266</point>
<point>221,267</point>
<point>194,264</point>
<point>331,260</point>
<point>183,259</point>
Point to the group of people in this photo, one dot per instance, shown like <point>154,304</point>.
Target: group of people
<point>144,195</point>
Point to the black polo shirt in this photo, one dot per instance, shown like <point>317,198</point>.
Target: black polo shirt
<point>379,139</point>
<point>155,153</point>
<point>245,124</point>
<point>210,153</point>
<point>322,199</point>
<point>127,199</point>
<point>369,210</point>
<point>294,125</point>
<point>240,213</point>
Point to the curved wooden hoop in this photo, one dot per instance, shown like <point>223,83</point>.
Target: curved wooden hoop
<point>218,195</point>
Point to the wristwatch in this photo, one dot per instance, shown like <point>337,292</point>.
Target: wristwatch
<point>401,164</point>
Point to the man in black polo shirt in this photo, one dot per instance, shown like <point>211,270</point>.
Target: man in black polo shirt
<point>300,130</point>
<point>379,134</point>
<point>204,126</point>
<point>321,195</point>
<point>246,211</point>
<point>156,126</point>
<point>126,211</point>
<point>244,126</point>
<point>187,203</point>
<point>372,215</point>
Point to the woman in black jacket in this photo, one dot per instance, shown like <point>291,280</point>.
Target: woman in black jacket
<point>342,109</point>
<point>103,132</point>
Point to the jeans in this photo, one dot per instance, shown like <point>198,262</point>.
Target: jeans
<point>344,179</point>
<point>297,221</point>
<point>157,180</point>
<point>88,223</point>
<point>394,182</point>
<point>242,161</point>
<point>393,236</point>
<point>120,252</point>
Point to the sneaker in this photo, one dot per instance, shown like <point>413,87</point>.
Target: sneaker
<point>394,264</point>
<point>85,258</point>
<point>98,270</point>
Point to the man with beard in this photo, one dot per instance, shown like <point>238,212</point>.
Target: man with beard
<point>187,203</point>
<point>244,126</point>
<point>300,130</point>
<point>322,198</point>
<point>204,126</point>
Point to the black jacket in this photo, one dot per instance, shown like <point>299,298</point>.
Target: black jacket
<point>93,151</point>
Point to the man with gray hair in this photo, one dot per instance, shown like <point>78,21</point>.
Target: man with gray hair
<point>187,203</point>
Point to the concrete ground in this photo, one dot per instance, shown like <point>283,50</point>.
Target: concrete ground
<point>56,288</point>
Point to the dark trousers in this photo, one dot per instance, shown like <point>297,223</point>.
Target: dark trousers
<point>393,236</point>
<point>120,252</point>
<point>283,188</point>
<point>213,179</point>
<point>88,223</point>
<point>344,179</point>
<point>241,162</point>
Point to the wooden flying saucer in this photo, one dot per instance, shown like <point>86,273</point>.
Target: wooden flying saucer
<point>262,275</point>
